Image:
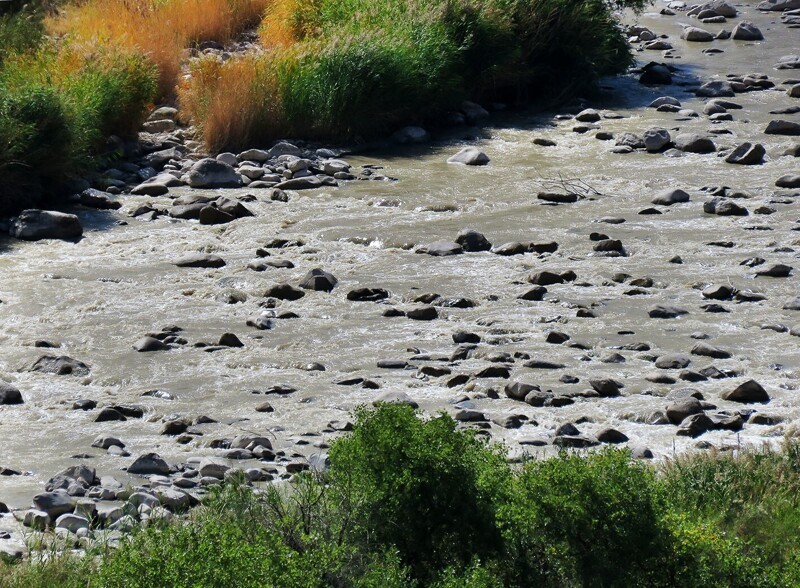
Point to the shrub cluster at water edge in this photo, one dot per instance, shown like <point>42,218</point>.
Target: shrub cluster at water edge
<point>359,68</point>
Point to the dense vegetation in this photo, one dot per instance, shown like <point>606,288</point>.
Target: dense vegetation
<point>409,502</point>
<point>76,71</point>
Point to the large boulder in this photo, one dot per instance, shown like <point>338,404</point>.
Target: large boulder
<point>778,5</point>
<point>694,143</point>
<point>655,139</point>
<point>54,503</point>
<point>716,89</point>
<point>61,366</point>
<point>696,35</point>
<point>319,280</point>
<point>210,173</point>
<point>747,31</point>
<point>783,127</point>
<point>747,154</point>
<point>149,463</point>
<point>749,391</point>
<point>35,224</point>
<point>470,156</point>
<point>9,394</point>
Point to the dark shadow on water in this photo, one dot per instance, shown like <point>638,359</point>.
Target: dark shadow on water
<point>618,92</point>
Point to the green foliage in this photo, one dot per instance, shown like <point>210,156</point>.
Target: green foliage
<point>54,122</point>
<point>423,487</point>
<point>21,30</point>
<point>417,503</point>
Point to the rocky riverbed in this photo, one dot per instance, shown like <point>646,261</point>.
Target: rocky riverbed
<point>622,271</point>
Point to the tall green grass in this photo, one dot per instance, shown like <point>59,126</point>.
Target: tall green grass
<point>412,503</point>
<point>359,68</point>
<point>57,107</point>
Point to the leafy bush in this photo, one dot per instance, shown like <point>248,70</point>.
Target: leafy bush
<point>417,503</point>
<point>422,487</point>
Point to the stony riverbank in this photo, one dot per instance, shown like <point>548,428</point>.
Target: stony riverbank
<point>622,276</point>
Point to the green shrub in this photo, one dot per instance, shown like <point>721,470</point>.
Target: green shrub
<point>21,30</point>
<point>56,110</point>
<point>588,521</point>
<point>421,487</point>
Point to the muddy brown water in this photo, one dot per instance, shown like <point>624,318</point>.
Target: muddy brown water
<point>98,296</point>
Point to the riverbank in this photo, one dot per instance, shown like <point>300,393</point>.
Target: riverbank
<point>595,309</point>
<point>406,502</point>
<point>83,72</point>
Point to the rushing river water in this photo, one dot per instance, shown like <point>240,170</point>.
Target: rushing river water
<point>98,296</point>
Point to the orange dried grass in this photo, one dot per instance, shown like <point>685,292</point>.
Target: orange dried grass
<point>232,102</point>
<point>160,29</point>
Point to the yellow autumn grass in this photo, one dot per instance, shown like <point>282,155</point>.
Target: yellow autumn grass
<point>161,29</point>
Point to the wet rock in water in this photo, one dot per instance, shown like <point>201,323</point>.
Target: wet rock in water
<point>783,127</point>
<point>542,142</point>
<point>465,337</point>
<point>545,278</point>
<point>666,311</point>
<point>716,89</point>
<point>519,390</point>
<point>655,74</point>
<point>146,344</point>
<point>606,387</point>
<point>262,321</point>
<point>426,313</point>
<point>109,414</point>
<point>575,442</point>
<point>722,207</point>
<point>694,143</point>
<point>106,441</point>
<point>776,271</point>
<point>469,156</point>
<point>707,350</point>
<point>610,435</point>
<point>718,292</point>
<point>534,294</point>
<point>696,35</point>
<point>61,366</point>
<point>664,101</point>
<point>200,260</point>
<point>589,115</point>
<point>92,198</point>
<point>656,139</point>
<point>630,140</point>
<point>695,425</point>
<point>557,197</point>
<point>367,294</point>
<point>210,173</point>
<point>319,280</point>
<point>35,224</point>
<point>471,240</point>
<point>672,361</point>
<point>230,340</point>
<point>788,181</point>
<point>9,394</point>
<point>749,391</point>
<point>55,503</point>
<point>670,197</point>
<point>778,5</point>
<point>211,215</point>
<point>149,463</point>
<point>681,409</point>
<point>556,337</point>
<point>284,292</point>
<point>441,249</point>
<point>395,398</point>
<point>747,31</point>
<point>747,154</point>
